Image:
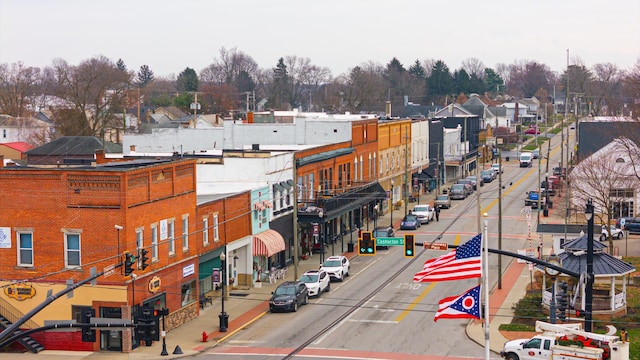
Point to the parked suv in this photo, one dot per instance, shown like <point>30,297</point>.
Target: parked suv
<point>466,183</point>
<point>425,213</point>
<point>458,192</point>
<point>337,267</point>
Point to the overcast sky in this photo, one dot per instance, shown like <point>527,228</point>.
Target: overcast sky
<point>169,36</point>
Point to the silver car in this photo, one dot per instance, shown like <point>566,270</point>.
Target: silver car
<point>458,192</point>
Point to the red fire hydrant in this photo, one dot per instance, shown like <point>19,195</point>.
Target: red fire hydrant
<point>205,337</point>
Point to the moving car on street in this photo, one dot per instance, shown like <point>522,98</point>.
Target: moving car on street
<point>458,191</point>
<point>498,168</point>
<point>288,296</point>
<point>382,231</point>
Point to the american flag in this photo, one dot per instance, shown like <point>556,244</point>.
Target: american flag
<point>463,306</point>
<point>464,262</point>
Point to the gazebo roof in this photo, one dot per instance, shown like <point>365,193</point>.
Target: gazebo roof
<point>574,258</point>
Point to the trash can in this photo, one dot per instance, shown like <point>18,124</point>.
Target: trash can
<point>550,204</point>
<point>349,247</point>
<point>506,158</point>
<point>545,212</point>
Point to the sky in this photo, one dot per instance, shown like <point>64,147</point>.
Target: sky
<point>170,36</point>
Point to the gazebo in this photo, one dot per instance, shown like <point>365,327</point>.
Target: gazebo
<point>605,268</point>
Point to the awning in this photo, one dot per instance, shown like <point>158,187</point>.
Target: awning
<point>267,243</point>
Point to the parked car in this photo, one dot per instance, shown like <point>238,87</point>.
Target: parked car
<point>487,176</point>
<point>458,191</point>
<point>442,201</point>
<point>382,231</point>
<point>425,213</point>
<point>498,168</point>
<point>317,281</point>
<point>616,233</point>
<point>627,220</point>
<point>288,296</point>
<point>474,181</point>
<point>547,186</point>
<point>410,222</point>
<point>337,267</point>
<point>557,171</point>
<point>633,226</point>
<point>466,183</point>
<point>532,131</point>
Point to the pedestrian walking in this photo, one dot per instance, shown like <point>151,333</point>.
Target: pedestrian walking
<point>437,213</point>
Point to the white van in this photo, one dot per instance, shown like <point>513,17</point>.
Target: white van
<point>525,159</point>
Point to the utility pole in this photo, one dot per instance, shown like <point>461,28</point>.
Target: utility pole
<point>438,172</point>
<point>406,169</point>
<point>500,218</point>
<point>296,241</point>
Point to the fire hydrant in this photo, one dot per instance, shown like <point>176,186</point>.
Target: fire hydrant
<point>205,337</point>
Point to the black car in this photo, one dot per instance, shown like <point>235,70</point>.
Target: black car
<point>382,231</point>
<point>289,296</point>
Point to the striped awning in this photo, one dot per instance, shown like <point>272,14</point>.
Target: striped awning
<point>267,243</point>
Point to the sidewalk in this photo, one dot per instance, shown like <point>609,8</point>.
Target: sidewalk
<point>247,306</point>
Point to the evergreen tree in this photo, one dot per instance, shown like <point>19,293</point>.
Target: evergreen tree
<point>281,90</point>
<point>440,82</point>
<point>187,80</point>
<point>462,82</point>
<point>144,76</point>
<point>493,81</point>
<point>120,65</point>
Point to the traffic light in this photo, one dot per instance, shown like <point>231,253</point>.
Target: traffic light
<point>366,244</point>
<point>129,260</point>
<point>88,335</point>
<point>144,259</point>
<point>409,246</point>
<point>562,298</point>
<point>148,326</point>
<point>581,313</point>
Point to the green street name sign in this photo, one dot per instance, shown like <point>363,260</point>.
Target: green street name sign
<point>387,241</point>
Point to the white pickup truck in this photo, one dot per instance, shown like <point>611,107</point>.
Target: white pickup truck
<point>567,343</point>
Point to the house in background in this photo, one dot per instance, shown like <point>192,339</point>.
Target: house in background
<point>70,150</point>
<point>14,150</point>
<point>25,129</point>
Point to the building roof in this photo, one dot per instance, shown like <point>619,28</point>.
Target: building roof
<point>75,145</point>
<point>20,146</point>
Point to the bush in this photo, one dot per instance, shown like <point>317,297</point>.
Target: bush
<point>528,310</point>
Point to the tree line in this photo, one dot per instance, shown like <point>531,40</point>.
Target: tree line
<point>89,98</point>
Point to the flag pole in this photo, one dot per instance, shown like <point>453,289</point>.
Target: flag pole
<point>485,269</point>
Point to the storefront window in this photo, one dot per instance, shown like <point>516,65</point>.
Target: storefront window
<point>188,293</point>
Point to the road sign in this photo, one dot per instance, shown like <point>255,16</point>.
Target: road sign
<point>436,246</point>
<point>390,241</point>
<point>109,270</point>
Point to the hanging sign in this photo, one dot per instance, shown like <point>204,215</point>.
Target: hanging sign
<point>20,291</point>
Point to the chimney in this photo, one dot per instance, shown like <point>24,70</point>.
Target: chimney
<point>100,156</point>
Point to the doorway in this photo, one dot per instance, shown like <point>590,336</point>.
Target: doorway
<point>111,340</point>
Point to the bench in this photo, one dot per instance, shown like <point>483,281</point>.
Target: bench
<point>204,300</point>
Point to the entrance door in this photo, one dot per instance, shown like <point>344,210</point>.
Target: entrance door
<point>111,340</point>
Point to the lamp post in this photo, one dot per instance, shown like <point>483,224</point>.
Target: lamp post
<point>224,317</point>
<point>391,207</point>
<point>588,213</point>
<point>320,234</point>
<point>375,216</point>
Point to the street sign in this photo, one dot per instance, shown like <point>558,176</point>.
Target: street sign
<point>436,246</point>
<point>109,270</point>
<point>390,241</point>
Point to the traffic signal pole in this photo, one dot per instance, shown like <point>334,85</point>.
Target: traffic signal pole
<point>15,326</point>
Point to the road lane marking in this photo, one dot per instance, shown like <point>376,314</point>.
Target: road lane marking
<point>415,302</point>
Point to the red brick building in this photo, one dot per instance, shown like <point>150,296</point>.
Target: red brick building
<point>58,223</point>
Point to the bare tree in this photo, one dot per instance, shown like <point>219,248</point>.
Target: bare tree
<point>19,84</point>
<point>631,89</point>
<point>473,66</point>
<point>605,89</point>
<point>607,178</point>
<point>95,91</point>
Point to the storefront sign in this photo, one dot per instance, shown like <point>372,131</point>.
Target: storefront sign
<point>215,276</point>
<point>188,270</point>
<point>20,291</point>
<point>154,284</point>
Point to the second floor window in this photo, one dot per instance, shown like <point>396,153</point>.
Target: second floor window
<point>171,236</point>
<point>185,233</point>
<point>72,250</point>
<point>154,242</point>
<point>25,248</point>
<point>205,231</point>
<point>216,228</point>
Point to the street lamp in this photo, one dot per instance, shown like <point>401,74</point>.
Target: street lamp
<point>224,317</point>
<point>391,207</point>
<point>588,213</point>
<point>375,216</point>
<point>320,233</point>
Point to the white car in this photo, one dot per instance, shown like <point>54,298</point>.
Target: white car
<point>337,267</point>
<point>425,213</point>
<point>317,281</point>
<point>497,167</point>
<point>615,233</point>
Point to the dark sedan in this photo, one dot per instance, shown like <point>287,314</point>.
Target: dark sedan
<point>288,296</point>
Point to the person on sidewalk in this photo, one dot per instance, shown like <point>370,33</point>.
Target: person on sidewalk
<point>437,213</point>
